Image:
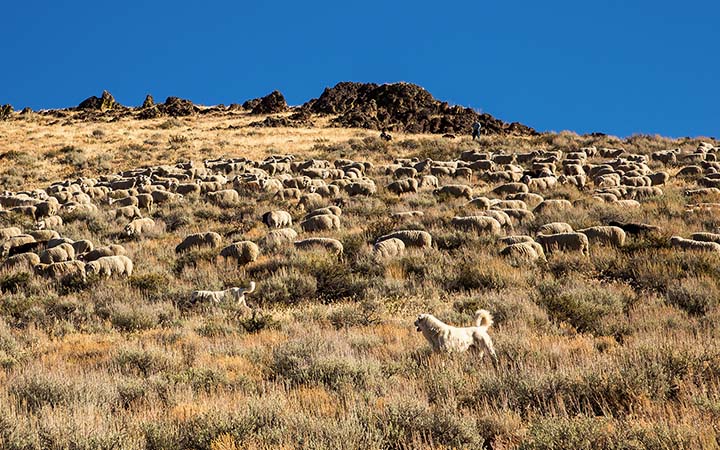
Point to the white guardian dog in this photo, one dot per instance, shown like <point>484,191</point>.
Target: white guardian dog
<point>447,338</point>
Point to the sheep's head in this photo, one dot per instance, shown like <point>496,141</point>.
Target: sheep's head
<point>420,322</point>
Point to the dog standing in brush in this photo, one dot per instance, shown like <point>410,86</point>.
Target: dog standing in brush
<point>447,338</point>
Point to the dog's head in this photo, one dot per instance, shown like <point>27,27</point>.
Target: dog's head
<point>420,321</point>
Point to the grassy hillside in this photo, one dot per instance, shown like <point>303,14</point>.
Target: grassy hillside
<point>617,349</point>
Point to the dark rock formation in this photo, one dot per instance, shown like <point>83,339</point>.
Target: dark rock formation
<point>272,103</point>
<point>105,103</point>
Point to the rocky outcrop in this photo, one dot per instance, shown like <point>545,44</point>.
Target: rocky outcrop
<point>272,103</point>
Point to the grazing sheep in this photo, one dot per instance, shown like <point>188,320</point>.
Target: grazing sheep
<point>564,242</point>
<point>508,204</point>
<point>516,239</point>
<point>501,216</point>
<point>310,200</point>
<point>429,181</point>
<point>60,253</point>
<point>332,209</point>
<point>277,219</point>
<point>548,206</point>
<point>329,191</point>
<point>389,248</point>
<point>411,238</point>
<point>530,199</point>
<point>82,246</point>
<point>480,224</point>
<point>209,239</point>
<point>555,228</point>
<point>224,197</point>
<point>541,184</point>
<point>627,204</point>
<point>322,222</point>
<point>405,172</point>
<point>449,339</point>
<point>483,203</point>
<point>659,178</point>
<point>145,201</point>
<point>243,252</point>
<point>138,227</point>
<point>331,245</point>
<point>366,188</point>
<point>402,215</point>
<point>110,265</point>
<point>110,250</point>
<point>706,237</point>
<point>60,240</point>
<point>237,294</point>
<point>6,249</point>
<point>61,270</point>
<point>510,188</point>
<point>288,193</point>
<point>44,235</point>
<point>128,212</point>
<point>50,222</point>
<point>455,190</point>
<point>520,215</point>
<point>403,186</point>
<point>27,260</point>
<point>524,251</point>
<point>634,227</point>
<point>691,244</point>
<point>276,238</point>
<point>607,235</point>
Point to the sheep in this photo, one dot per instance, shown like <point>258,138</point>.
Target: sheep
<point>224,197</point>
<point>644,192</point>
<point>429,181</point>
<point>15,241</point>
<point>508,204</point>
<point>209,239</point>
<point>138,227</point>
<point>411,238</point>
<point>401,215</point>
<point>403,186</point>
<point>564,241</point>
<point>634,227</point>
<point>238,294</point>
<point>110,265</point>
<point>49,222</point>
<point>454,190</point>
<point>516,239</point>
<point>61,270</point>
<point>243,252</point>
<point>63,252</point>
<point>331,245</point>
<point>706,237</point>
<point>540,184</point>
<point>277,219</point>
<point>332,209</point>
<point>366,188</point>
<point>608,235</point>
<point>82,246</point>
<point>510,188</point>
<point>288,193</point>
<point>276,238</point>
<point>481,224</point>
<point>526,251</point>
<point>483,203</point>
<point>691,244</point>
<point>322,222</point>
<point>389,248</point>
<point>28,260</point>
<point>552,206</point>
<point>44,235</point>
<point>145,201</point>
<point>128,212</point>
<point>659,178</point>
<point>405,172</point>
<point>7,233</point>
<point>501,216</point>
<point>160,197</point>
<point>329,191</point>
<point>555,228</point>
<point>530,199</point>
<point>310,200</point>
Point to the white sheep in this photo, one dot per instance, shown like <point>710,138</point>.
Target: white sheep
<point>237,294</point>
<point>276,238</point>
<point>555,228</point>
<point>564,242</point>
<point>138,227</point>
<point>411,238</point>
<point>207,239</point>
<point>322,222</point>
<point>60,253</point>
<point>607,235</point>
<point>110,265</point>
<point>691,244</point>
<point>479,224</point>
<point>277,219</point>
<point>331,245</point>
<point>243,252</point>
<point>389,248</point>
<point>525,251</point>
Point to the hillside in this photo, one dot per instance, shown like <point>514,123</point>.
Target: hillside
<point>611,343</point>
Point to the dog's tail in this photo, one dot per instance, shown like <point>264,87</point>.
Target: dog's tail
<point>483,318</point>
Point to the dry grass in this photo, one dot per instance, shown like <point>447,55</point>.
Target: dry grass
<point>616,350</point>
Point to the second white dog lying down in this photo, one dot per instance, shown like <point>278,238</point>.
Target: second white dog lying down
<point>217,296</point>
<point>447,338</point>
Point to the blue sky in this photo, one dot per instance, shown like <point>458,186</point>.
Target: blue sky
<point>620,67</point>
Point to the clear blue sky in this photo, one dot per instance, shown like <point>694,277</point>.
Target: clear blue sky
<point>619,67</point>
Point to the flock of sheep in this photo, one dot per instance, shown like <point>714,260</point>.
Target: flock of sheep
<point>502,190</point>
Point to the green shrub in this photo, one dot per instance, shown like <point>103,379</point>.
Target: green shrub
<point>286,287</point>
<point>695,295</point>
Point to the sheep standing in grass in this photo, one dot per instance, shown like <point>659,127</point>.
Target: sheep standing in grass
<point>138,227</point>
<point>277,219</point>
<point>110,250</point>
<point>524,251</point>
<point>706,237</point>
<point>479,224</point>
<point>7,233</point>
<point>411,238</point>
<point>61,270</point>
<point>332,209</point>
<point>548,206</point>
<point>243,252</point>
<point>389,248</point>
<point>322,222</point>
<point>63,252</point>
<point>236,293</point>
<point>606,235</point>
<point>454,190</point>
<point>564,242</point>
<point>517,239</point>
<point>276,238</point>
<point>28,260</point>
<point>128,212</point>
<point>691,244</point>
<point>403,186</point>
<point>50,222</point>
<point>331,245</point>
<point>108,266</point>
<point>209,239</point>
<point>555,228</point>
